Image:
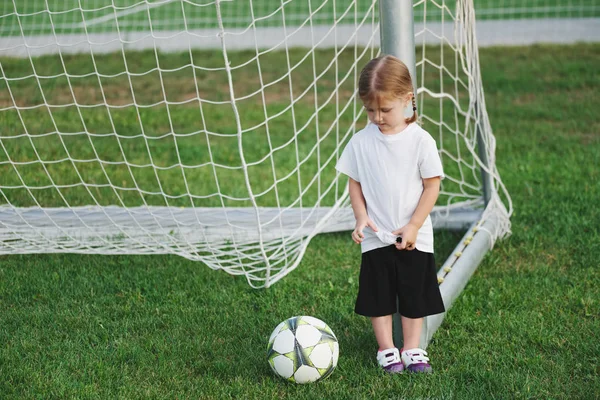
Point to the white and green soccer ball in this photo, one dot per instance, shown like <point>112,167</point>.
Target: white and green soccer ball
<point>303,349</point>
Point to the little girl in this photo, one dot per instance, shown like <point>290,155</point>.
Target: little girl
<point>394,172</point>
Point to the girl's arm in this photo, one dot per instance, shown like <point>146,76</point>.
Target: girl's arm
<point>359,207</point>
<point>431,190</point>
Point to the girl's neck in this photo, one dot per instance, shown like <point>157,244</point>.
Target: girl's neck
<point>395,130</point>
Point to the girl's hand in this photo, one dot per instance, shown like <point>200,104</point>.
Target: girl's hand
<point>357,234</point>
<point>408,233</point>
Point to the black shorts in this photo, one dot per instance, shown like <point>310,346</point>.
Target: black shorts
<point>403,281</point>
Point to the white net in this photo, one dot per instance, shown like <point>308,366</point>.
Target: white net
<point>72,16</point>
<point>537,9</point>
<point>126,22</point>
<point>218,141</point>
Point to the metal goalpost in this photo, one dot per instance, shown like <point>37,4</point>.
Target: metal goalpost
<point>398,39</point>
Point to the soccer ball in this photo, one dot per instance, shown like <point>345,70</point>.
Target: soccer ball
<point>303,349</point>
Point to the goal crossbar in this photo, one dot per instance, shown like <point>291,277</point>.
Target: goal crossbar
<point>135,224</point>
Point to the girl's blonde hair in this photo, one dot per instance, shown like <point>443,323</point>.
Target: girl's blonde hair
<point>386,77</point>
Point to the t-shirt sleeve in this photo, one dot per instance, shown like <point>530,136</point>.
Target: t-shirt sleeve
<point>347,162</point>
<point>430,164</point>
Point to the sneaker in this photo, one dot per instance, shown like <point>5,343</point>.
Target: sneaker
<point>416,360</point>
<point>390,361</point>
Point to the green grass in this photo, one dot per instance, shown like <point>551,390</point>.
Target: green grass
<point>100,16</point>
<point>145,127</point>
<point>159,120</point>
<point>526,326</point>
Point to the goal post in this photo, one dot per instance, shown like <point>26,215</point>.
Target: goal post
<point>214,135</point>
<point>398,39</point>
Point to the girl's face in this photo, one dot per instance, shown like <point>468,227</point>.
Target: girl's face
<point>388,113</point>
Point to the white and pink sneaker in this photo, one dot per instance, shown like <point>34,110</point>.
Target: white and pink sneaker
<point>390,360</point>
<point>416,360</point>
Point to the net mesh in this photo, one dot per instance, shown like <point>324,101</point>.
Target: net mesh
<point>76,16</point>
<point>211,129</point>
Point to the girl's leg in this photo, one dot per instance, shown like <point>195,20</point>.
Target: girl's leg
<point>414,358</point>
<point>390,360</point>
<point>383,331</point>
<point>411,332</point>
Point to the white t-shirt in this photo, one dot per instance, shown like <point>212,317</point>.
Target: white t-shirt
<point>390,169</point>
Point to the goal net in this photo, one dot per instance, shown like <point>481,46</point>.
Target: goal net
<point>210,129</point>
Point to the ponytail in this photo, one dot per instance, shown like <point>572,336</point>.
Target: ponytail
<point>413,118</point>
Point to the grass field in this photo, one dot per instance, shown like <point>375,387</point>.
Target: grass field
<point>92,130</point>
<point>526,326</point>
<point>38,16</point>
